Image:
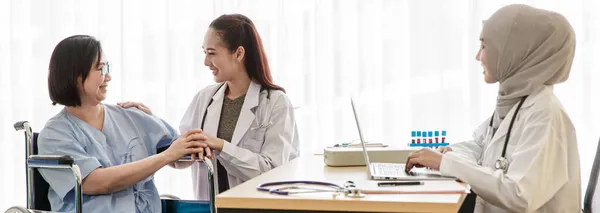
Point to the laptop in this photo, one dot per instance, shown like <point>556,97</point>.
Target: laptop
<point>393,171</point>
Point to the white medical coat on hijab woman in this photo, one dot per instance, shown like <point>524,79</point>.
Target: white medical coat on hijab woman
<point>265,135</point>
<point>528,50</point>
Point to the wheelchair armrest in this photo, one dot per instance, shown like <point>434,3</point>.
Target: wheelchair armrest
<point>60,162</point>
<point>50,160</point>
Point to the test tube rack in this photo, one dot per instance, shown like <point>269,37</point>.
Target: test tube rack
<point>432,139</point>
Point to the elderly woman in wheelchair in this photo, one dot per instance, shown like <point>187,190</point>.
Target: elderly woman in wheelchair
<point>114,148</point>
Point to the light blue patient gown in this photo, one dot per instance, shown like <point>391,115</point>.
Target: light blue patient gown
<point>128,135</point>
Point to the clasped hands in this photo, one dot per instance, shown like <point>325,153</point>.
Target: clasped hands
<point>196,143</point>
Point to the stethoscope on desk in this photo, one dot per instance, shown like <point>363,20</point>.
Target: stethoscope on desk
<point>266,113</point>
<point>502,162</point>
<point>349,189</point>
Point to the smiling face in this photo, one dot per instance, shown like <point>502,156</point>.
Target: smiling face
<point>93,90</point>
<point>481,57</point>
<point>78,72</point>
<point>224,64</point>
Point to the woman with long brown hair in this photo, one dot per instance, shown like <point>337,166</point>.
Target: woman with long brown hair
<point>247,121</point>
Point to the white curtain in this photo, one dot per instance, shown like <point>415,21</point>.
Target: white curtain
<point>410,64</point>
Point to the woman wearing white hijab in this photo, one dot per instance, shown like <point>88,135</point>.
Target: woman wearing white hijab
<point>527,50</point>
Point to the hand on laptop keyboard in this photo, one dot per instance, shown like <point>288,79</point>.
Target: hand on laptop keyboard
<point>408,171</point>
<point>425,157</point>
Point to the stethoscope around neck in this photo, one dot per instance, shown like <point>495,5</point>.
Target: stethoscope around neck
<point>265,118</point>
<point>502,162</point>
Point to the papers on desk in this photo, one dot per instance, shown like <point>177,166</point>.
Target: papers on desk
<point>428,187</point>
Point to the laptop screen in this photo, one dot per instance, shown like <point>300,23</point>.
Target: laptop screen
<point>360,134</point>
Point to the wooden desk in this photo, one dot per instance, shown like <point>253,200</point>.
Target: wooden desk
<point>245,197</point>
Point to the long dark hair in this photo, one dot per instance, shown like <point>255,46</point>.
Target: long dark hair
<point>238,30</point>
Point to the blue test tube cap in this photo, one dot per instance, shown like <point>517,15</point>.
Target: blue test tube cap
<point>418,133</point>
<point>413,134</point>
<point>430,134</point>
<point>437,133</point>
<point>424,133</point>
<point>444,133</point>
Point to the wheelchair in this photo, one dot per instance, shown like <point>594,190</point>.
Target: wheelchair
<point>37,187</point>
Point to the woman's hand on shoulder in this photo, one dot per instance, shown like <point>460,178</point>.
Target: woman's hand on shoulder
<point>140,106</point>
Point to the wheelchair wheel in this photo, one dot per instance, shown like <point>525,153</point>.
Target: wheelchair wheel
<point>19,209</point>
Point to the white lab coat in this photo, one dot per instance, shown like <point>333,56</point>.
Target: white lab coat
<point>252,150</point>
<point>543,175</point>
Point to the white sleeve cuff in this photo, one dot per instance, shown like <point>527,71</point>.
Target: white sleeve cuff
<point>448,164</point>
<point>228,150</point>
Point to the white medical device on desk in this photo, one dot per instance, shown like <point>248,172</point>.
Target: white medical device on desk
<point>353,156</point>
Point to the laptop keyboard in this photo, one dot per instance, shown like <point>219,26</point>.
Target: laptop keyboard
<point>389,169</point>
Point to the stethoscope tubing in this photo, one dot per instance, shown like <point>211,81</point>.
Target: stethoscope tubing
<point>500,162</point>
